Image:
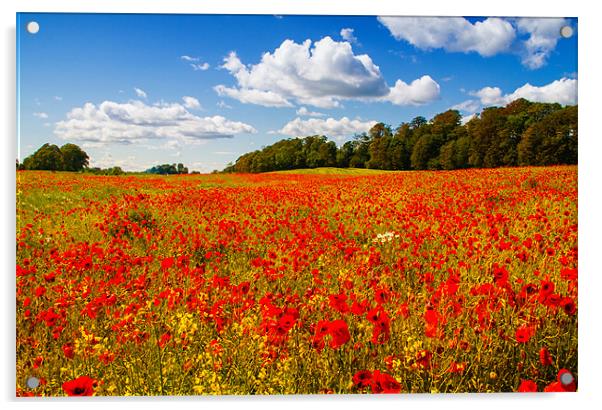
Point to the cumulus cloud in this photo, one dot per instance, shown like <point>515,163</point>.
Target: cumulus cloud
<point>419,91</point>
<point>534,39</point>
<point>347,35</point>
<point>330,127</point>
<point>41,115</point>
<point>191,103</point>
<point>303,111</point>
<point>321,75</point>
<point>457,34</point>
<point>135,122</point>
<point>562,91</point>
<point>140,93</point>
<point>543,36</point>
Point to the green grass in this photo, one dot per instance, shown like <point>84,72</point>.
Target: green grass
<point>333,171</point>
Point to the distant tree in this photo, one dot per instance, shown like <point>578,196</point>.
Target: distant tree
<point>115,171</point>
<point>74,158</point>
<point>361,154</point>
<point>447,155</point>
<point>47,157</point>
<point>164,169</point>
<point>552,140</point>
<point>344,155</point>
<point>424,150</point>
<point>401,146</point>
<point>417,122</point>
<point>379,149</point>
<point>181,169</point>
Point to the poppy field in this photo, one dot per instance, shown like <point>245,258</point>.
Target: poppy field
<point>297,283</point>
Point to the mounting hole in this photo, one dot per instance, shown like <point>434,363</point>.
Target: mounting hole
<point>33,382</point>
<point>566,378</point>
<point>33,27</point>
<point>566,31</point>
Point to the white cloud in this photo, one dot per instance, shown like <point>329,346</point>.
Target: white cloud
<point>321,75</point>
<point>419,91</point>
<point>189,59</point>
<point>330,127</point>
<point>135,122</point>
<point>195,63</point>
<point>140,93</point>
<point>58,98</point>
<point>489,95</point>
<point>200,67</point>
<point>307,113</point>
<point>562,91</point>
<point>543,36</point>
<point>536,38</point>
<point>487,37</point>
<point>129,163</point>
<point>191,103</point>
<point>347,35</point>
<point>222,104</point>
<point>468,106</point>
<point>41,115</point>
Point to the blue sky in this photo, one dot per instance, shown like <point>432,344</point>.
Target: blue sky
<point>139,90</point>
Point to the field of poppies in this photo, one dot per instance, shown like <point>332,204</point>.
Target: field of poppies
<point>314,282</point>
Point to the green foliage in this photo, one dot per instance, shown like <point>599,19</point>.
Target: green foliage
<point>521,133</point>
<point>49,157</point>
<point>74,158</point>
<point>167,169</point>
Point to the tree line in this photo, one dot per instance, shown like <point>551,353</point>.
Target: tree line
<point>168,169</point>
<point>520,134</point>
<point>70,157</point>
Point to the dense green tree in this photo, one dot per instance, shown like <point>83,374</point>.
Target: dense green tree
<point>552,140</point>
<point>424,151</point>
<point>47,157</point>
<point>344,154</point>
<point>361,154</point>
<point>167,169</point>
<point>74,158</point>
<point>379,147</point>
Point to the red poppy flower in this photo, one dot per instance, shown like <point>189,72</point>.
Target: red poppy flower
<point>523,334</point>
<point>544,357</point>
<point>527,386</point>
<point>363,378</point>
<point>82,386</point>
<point>40,291</point>
<point>68,350</point>
<point>339,332</point>
<point>384,383</point>
<point>322,328</point>
<point>167,263</point>
<point>568,305</point>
